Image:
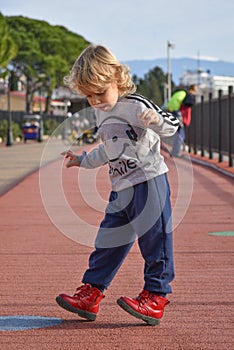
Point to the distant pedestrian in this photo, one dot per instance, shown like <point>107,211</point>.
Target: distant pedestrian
<point>180,106</point>
<point>139,206</point>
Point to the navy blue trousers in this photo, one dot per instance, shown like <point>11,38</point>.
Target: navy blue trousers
<point>142,212</point>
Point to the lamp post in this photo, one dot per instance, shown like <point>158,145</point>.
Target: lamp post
<point>41,120</point>
<point>165,89</point>
<point>199,71</point>
<point>67,104</point>
<point>44,85</point>
<point>9,141</point>
<point>169,46</point>
<point>17,71</point>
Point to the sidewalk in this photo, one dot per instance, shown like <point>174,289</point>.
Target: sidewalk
<point>20,160</point>
<point>46,239</point>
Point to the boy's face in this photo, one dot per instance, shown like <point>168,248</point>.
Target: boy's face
<point>105,99</point>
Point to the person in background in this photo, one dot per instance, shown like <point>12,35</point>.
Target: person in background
<point>180,105</point>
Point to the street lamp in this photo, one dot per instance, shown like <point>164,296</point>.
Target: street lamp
<point>9,141</point>
<point>165,89</point>
<point>41,120</point>
<point>17,72</point>
<point>169,46</point>
<point>45,83</point>
<point>67,104</point>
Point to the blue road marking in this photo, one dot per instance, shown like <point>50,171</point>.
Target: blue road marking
<point>24,322</point>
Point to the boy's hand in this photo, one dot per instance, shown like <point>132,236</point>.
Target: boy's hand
<point>73,161</point>
<point>149,116</point>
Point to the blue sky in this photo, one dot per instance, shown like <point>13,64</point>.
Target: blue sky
<point>140,29</point>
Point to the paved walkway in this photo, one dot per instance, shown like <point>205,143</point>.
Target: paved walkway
<point>48,223</point>
<point>21,159</point>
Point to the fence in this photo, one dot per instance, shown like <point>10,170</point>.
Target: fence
<point>64,127</point>
<point>17,117</point>
<point>212,127</point>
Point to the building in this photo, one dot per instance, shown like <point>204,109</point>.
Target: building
<point>18,102</point>
<point>59,105</point>
<point>207,83</point>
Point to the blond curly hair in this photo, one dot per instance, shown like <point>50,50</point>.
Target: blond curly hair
<point>97,66</point>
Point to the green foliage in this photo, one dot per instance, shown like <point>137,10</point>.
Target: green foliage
<point>8,48</point>
<point>45,55</point>
<point>152,85</point>
<point>50,126</point>
<point>16,130</point>
<point>44,47</point>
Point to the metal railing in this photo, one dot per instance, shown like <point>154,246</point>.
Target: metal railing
<point>212,127</point>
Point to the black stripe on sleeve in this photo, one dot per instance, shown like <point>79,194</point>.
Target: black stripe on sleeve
<point>168,117</point>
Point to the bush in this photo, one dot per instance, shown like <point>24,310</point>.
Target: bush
<point>50,125</point>
<point>16,130</point>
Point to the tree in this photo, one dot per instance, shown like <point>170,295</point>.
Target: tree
<point>45,54</point>
<point>152,85</point>
<point>8,48</point>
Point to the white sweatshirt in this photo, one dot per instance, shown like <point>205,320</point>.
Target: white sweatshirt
<point>131,150</point>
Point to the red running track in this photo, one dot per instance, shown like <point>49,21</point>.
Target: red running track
<point>38,262</point>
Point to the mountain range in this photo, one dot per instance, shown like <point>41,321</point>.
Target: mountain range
<point>180,65</point>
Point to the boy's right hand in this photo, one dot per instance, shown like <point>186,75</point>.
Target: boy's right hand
<point>149,116</point>
<point>73,160</point>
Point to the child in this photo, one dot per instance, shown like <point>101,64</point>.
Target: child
<point>139,207</point>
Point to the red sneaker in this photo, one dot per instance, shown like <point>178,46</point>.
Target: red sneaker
<point>147,306</point>
<point>85,302</point>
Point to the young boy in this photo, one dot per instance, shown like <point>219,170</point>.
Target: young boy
<point>139,207</point>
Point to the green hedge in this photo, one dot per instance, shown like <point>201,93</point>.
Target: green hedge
<point>16,130</point>
<point>50,126</point>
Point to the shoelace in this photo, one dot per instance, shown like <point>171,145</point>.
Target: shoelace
<point>144,296</point>
<point>83,290</point>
